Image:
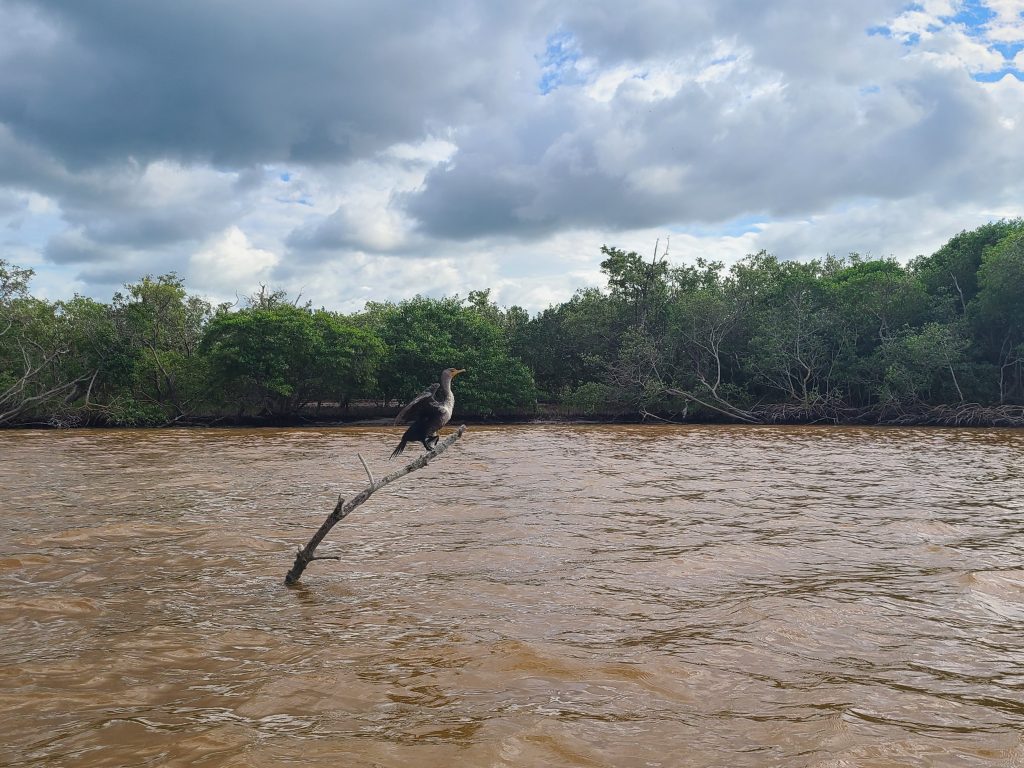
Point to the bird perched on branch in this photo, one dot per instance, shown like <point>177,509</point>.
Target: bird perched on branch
<point>428,411</point>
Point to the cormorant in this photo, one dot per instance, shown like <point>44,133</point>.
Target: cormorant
<point>428,412</point>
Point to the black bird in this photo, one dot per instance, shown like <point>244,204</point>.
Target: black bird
<point>428,411</point>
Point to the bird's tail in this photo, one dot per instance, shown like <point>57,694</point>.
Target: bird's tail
<point>400,448</point>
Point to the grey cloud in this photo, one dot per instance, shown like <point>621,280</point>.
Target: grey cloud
<point>192,217</point>
<point>795,36</point>
<point>72,247</point>
<point>239,81</point>
<point>473,199</point>
<point>346,229</point>
<point>797,149</point>
<point>11,204</point>
<point>113,276</point>
<point>106,269</point>
<point>154,229</point>
<point>116,205</point>
<point>331,233</point>
<point>90,96</point>
<point>93,96</point>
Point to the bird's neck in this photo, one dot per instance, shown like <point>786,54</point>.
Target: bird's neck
<point>446,389</point>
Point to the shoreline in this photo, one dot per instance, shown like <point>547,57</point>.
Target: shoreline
<point>974,416</point>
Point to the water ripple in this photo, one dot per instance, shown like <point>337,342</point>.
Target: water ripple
<point>604,596</point>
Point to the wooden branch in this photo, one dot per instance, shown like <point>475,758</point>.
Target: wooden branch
<point>366,466</point>
<point>732,412</point>
<point>342,509</point>
<point>16,407</point>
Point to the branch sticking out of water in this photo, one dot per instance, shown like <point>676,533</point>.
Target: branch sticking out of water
<point>342,509</point>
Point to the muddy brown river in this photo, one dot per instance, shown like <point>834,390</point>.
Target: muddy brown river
<point>539,596</point>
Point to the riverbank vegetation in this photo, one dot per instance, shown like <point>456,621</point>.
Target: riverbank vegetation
<point>853,339</point>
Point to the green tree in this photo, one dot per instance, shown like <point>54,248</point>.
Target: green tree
<point>162,325</point>
<point>997,314</point>
<point>35,382</point>
<point>101,352</point>
<point>707,318</point>
<point>423,336</point>
<point>872,302</point>
<point>640,285</point>
<point>274,361</point>
<point>792,345</point>
<point>566,345</point>
<point>923,365</point>
<point>952,271</point>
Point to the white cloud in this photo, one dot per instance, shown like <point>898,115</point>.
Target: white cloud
<point>405,148</point>
<point>941,8</point>
<point>953,49</point>
<point>230,263</point>
<point>914,23</point>
<point>1007,95</point>
<point>1008,25</point>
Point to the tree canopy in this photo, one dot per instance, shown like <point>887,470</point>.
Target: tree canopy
<point>765,338</point>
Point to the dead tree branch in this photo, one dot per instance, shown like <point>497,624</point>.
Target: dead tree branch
<point>725,408</point>
<point>342,509</point>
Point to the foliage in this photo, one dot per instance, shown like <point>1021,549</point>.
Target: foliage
<point>565,345</point>
<point>922,365</point>
<point>952,272</point>
<point>36,381</point>
<point>424,336</point>
<point>997,312</point>
<point>588,399</point>
<point>273,360</point>
<point>640,286</point>
<point>155,356</point>
<point>763,339</point>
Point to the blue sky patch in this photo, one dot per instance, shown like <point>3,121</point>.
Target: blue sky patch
<point>558,61</point>
<point>737,227</point>
<point>1009,50</point>
<point>974,15</point>
<point>974,18</point>
<point>993,77</point>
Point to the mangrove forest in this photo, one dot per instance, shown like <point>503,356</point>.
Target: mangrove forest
<point>936,340</point>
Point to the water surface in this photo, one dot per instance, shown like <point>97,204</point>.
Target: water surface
<point>540,596</point>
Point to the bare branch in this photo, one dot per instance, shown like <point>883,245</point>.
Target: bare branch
<point>369,474</point>
<point>27,400</point>
<point>342,509</point>
<point>726,409</point>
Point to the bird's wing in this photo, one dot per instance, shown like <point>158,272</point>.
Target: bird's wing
<point>412,408</point>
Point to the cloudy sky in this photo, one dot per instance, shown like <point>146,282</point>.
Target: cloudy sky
<point>375,150</point>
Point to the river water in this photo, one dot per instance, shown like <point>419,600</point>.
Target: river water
<point>538,596</point>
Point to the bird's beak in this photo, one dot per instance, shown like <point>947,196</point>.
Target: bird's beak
<point>457,371</point>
